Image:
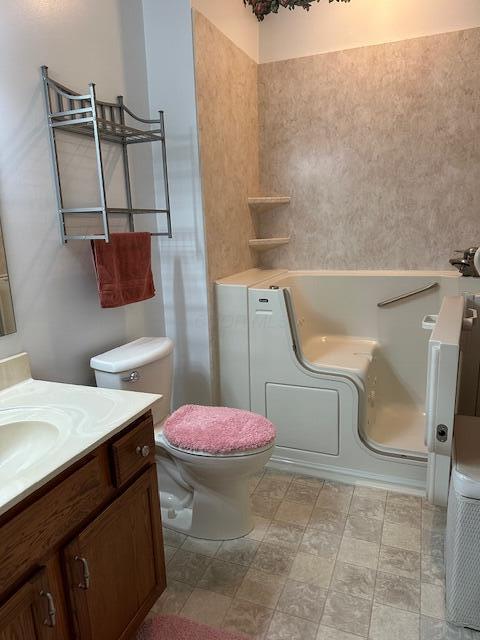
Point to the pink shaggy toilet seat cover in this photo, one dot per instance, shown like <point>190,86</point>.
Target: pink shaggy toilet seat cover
<point>217,429</point>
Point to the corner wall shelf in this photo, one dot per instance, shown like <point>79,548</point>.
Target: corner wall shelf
<point>72,112</point>
<point>267,203</point>
<point>263,244</point>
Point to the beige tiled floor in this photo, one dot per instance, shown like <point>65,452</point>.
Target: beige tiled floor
<point>326,561</point>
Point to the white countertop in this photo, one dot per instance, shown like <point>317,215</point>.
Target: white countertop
<point>79,420</point>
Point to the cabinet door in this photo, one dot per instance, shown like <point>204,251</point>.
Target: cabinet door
<point>30,613</point>
<point>115,566</point>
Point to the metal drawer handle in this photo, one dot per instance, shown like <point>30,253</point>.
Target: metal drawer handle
<point>133,377</point>
<point>51,620</point>
<point>86,573</point>
<point>144,451</point>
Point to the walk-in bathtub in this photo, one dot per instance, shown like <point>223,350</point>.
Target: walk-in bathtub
<point>342,378</point>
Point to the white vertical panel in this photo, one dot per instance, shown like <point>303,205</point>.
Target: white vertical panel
<point>171,85</point>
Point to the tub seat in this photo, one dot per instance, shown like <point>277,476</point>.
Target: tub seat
<point>395,428</point>
<point>341,353</point>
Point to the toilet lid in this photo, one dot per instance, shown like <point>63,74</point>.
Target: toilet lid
<point>132,355</point>
<point>217,430</point>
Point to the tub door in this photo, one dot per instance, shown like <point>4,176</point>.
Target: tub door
<point>444,355</point>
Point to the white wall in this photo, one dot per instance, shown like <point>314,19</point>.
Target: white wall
<point>338,25</point>
<point>59,319</point>
<point>235,20</point>
<point>171,82</point>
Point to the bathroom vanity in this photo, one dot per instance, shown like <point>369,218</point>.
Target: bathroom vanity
<point>81,545</point>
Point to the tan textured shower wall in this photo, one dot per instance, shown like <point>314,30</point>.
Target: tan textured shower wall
<point>227,108</point>
<point>227,103</point>
<point>380,149</point>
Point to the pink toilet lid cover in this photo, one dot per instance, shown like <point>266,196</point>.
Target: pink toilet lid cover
<point>217,429</point>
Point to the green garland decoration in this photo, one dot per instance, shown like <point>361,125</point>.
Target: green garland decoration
<point>261,8</point>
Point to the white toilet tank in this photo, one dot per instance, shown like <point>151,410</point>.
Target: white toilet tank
<point>144,365</point>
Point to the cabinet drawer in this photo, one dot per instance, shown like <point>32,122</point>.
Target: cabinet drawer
<point>134,451</point>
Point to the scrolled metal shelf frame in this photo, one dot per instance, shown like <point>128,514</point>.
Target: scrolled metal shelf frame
<point>72,112</point>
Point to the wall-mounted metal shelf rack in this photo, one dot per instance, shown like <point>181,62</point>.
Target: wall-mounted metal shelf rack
<point>75,113</point>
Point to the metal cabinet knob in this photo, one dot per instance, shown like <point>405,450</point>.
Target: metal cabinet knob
<point>86,573</point>
<point>144,451</point>
<point>51,619</point>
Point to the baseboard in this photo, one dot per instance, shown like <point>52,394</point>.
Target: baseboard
<point>349,476</point>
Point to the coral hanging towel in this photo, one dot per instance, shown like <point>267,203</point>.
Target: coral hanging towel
<point>124,269</point>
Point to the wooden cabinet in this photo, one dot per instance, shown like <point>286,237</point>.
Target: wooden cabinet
<point>44,523</point>
<point>30,614</point>
<point>83,558</point>
<point>115,565</point>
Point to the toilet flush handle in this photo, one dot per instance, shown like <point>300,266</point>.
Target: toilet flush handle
<point>133,377</point>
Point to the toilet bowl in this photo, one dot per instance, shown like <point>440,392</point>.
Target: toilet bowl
<point>203,493</point>
<point>214,501</point>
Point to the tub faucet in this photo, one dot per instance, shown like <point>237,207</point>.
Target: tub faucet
<point>465,265</point>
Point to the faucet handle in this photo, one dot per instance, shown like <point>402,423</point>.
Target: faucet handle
<point>470,252</point>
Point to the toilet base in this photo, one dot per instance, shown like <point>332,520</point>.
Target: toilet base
<point>208,497</point>
<point>210,516</point>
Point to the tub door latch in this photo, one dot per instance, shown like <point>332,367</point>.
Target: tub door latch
<point>442,432</point>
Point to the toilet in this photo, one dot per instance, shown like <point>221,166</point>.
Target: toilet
<point>205,455</point>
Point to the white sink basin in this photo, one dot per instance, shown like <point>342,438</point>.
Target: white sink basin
<point>47,426</point>
<point>23,443</point>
